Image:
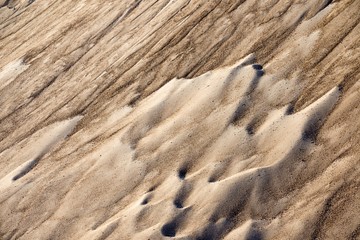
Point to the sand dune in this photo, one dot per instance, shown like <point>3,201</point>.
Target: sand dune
<point>179,119</point>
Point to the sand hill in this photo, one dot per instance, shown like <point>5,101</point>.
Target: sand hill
<point>179,119</point>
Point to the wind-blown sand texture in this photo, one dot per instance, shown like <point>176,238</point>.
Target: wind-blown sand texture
<point>179,119</point>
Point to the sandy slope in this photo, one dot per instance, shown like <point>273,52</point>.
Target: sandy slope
<point>179,119</point>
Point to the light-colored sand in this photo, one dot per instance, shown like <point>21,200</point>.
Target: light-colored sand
<point>10,72</point>
<point>179,119</point>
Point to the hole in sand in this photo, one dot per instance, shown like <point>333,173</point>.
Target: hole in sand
<point>212,179</point>
<point>145,201</point>
<point>182,172</point>
<point>257,66</point>
<point>341,87</point>
<point>250,129</point>
<point>133,101</point>
<point>260,73</point>
<point>152,189</point>
<point>290,110</point>
<point>169,230</point>
<point>178,203</point>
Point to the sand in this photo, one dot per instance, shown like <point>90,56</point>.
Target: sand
<point>179,119</point>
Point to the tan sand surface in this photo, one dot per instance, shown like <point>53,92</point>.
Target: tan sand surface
<point>180,119</point>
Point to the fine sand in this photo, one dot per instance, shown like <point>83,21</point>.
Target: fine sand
<point>179,119</point>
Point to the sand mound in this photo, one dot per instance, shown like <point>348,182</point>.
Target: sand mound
<point>179,119</point>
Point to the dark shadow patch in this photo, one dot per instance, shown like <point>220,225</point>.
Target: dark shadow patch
<point>260,73</point>
<point>178,203</point>
<point>309,135</point>
<point>145,201</point>
<point>311,130</point>
<point>6,3</point>
<point>341,87</point>
<point>214,231</point>
<point>151,189</point>
<point>219,170</point>
<point>250,129</point>
<point>182,194</point>
<point>302,17</point>
<point>209,233</point>
<point>30,2</point>
<point>254,234</point>
<point>183,171</point>
<point>257,66</point>
<point>290,110</point>
<point>97,224</point>
<point>325,5</point>
<point>239,112</point>
<point>169,229</point>
<point>133,101</point>
<point>255,123</point>
<point>26,169</point>
<point>206,237</point>
<point>212,179</point>
<point>255,81</point>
